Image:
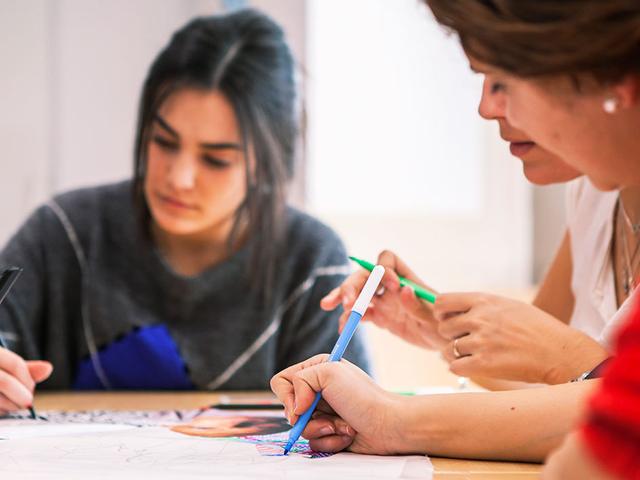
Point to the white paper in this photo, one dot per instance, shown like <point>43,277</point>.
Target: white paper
<point>59,450</point>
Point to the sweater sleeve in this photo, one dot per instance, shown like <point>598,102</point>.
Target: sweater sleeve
<point>21,314</point>
<point>612,429</point>
<point>307,330</point>
<point>317,330</point>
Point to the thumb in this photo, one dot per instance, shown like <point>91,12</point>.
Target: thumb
<point>39,370</point>
<point>323,377</point>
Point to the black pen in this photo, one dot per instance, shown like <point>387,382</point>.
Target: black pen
<point>247,406</point>
<point>7,279</point>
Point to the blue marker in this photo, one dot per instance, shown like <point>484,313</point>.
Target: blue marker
<point>357,312</point>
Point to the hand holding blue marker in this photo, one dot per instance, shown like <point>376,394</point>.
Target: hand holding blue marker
<point>357,312</point>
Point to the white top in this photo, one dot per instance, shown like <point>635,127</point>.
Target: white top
<point>590,223</point>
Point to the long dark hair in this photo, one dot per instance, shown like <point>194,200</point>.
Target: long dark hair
<point>243,55</point>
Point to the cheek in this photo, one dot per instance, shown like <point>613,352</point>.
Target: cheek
<point>156,164</point>
<point>225,190</point>
<point>542,123</point>
<point>518,113</point>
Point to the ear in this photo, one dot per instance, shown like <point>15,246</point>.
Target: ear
<point>627,91</point>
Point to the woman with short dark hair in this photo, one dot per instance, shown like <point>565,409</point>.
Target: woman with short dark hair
<point>569,71</point>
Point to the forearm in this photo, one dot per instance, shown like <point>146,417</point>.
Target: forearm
<point>497,384</point>
<point>520,425</point>
<point>555,296</point>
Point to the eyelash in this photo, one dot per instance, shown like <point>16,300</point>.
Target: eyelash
<point>214,162</point>
<point>497,87</point>
<point>170,146</point>
<point>165,144</point>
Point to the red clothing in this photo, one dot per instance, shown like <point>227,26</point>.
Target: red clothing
<point>612,429</point>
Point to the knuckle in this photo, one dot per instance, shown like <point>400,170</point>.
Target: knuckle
<point>385,254</point>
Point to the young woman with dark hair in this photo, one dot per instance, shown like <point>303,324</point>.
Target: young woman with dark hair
<point>196,274</point>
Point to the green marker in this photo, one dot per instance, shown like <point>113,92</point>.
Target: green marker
<point>420,292</point>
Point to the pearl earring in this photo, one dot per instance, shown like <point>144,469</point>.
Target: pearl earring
<point>610,105</point>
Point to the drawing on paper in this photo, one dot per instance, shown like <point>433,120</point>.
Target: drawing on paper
<point>267,432</point>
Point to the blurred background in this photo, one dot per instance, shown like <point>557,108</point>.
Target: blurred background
<point>395,154</point>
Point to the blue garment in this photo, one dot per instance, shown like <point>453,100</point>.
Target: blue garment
<point>145,358</point>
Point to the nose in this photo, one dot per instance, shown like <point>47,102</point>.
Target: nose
<point>491,106</point>
<point>183,172</point>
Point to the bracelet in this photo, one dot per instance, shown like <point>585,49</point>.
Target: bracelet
<point>595,372</point>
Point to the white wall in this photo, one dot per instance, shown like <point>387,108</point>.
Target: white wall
<point>398,156</point>
<point>72,75</point>
<point>25,110</point>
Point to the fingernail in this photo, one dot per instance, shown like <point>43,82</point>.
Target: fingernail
<point>344,430</point>
<point>328,430</point>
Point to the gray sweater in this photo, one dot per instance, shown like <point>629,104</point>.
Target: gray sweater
<point>98,301</point>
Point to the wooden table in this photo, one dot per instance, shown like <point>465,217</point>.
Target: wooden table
<point>445,468</point>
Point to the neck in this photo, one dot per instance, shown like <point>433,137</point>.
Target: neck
<point>191,254</point>
<point>630,197</point>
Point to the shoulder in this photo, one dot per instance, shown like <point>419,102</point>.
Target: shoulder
<point>86,215</point>
<point>65,224</point>
<point>86,207</point>
<point>309,237</point>
<point>86,202</point>
<point>313,255</point>
<point>67,212</point>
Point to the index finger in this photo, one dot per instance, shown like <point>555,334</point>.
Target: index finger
<point>447,303</point>
<point>282,382</point>
<point>456,326</point>
<point>15,366</point>
<point>346,293</point>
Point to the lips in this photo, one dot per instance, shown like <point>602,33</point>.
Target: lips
<point>519,149</point>
<point>175,203</point>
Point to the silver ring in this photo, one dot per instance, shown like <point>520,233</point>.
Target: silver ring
<point>380,291</point>
<point>456,352</point>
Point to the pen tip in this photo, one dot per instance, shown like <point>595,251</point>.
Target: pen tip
<point>288,447</point>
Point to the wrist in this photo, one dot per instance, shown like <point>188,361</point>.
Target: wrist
<point>583,357</point>
<point>399,424</point>
<point>415,429</point>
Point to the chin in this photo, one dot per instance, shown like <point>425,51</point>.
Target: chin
<point>176,226</point>
<point>540,176</point>
<point>548,176</point>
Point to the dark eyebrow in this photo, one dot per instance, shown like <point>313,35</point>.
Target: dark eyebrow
<point>221,146</point>
<point>207,146</point>
<point>165,126</point>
